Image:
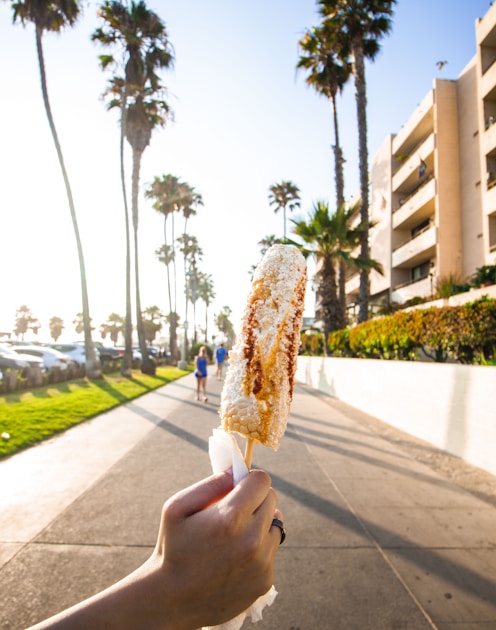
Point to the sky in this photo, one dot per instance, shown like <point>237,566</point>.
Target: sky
<point>244,119</point>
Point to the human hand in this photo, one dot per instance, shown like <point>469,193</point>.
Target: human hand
<point>216,548</point>
<point>214,557</point>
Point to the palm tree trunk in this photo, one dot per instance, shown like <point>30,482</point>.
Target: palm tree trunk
<point>147,365</point>
<point>338,157</point>
<point>127,362</point>
<point>339,179</point>
<point>93,368</point>
<point>172,312</point>
<point>329,305</point>
<point>174,267</point>
<point>361,101</point>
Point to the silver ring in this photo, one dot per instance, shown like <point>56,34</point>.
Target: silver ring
<point>278,523</point>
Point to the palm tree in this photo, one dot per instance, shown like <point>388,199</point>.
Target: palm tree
<point>265,243</point>
<point>166,255</point>
<point>25,321</point>
<point>144,48</point>
<point>327,74</point>
<point>117,94</point>
<point>171,195</point>
<point>167,192</point>
<point>282,196</point>
<point>78,322</point>
<point>331,240</point>
<point>348,237</point>
<point>113,327</point>
<point>192,252</point>
<point>142,117</point>
<point>172,319</point>
<point>56,326</point>
<point>206,293</point>
<point>152,319</point>
<point>358,26</point>
<point>53,16</point>
<point>191,199</point>
<point>318,234</point>
<point>225,325</point>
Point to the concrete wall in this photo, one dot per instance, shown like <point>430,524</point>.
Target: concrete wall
<point>450,406</point>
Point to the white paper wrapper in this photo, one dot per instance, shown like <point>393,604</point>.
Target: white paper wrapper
<point>225,454</point>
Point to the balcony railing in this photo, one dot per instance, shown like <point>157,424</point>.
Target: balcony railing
<point>407,284</point>
<point>404,200</point>
<point>412,238</point>
<point>416,249</point>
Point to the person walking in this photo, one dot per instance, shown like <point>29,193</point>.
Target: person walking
<point>220,357</point>
<point>201,374</point>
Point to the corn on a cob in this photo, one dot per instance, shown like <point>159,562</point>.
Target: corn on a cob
<point>258,388</point>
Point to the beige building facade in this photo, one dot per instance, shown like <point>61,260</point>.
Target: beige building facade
<point>433,185</point>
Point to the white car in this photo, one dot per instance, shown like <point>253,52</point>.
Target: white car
<point>51,358</point>
<point>73,350</point>
<point>25,360</point>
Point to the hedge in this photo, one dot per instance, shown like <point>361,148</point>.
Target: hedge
<point>466,334</point>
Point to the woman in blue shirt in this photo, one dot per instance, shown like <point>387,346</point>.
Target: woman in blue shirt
<point>201,361</point>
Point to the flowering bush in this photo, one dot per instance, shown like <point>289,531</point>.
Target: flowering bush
<point>466,334</point>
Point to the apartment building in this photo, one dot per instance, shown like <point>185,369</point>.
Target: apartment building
<point>433,184</point>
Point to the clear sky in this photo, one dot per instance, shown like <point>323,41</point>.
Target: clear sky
<point>244,119</point>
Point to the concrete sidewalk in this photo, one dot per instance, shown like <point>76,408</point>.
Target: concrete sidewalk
<point>376,540</point>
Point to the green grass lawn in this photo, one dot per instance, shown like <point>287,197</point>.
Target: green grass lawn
<point>27,417</point>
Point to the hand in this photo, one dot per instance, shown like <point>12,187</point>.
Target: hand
<point>214,557</point>
<point>217,547</point>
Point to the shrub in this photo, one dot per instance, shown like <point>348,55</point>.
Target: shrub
<point>484,275</point>
<point>312,342</point>
<point>450,285</point>
<point>338,343</point>
<point>193,351</point>
<point>466,334</point>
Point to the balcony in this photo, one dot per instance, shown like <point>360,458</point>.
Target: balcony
<point>489,136</point>
<point>416,249</point>
<point>489,200</point>
<point>407,175</point>
<point>420,205</point>
<point>417,127</point>
<point>488,80</point>
<point>423,287</point>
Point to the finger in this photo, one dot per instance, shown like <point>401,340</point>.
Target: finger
<point>250,493</point>
<point>198,496</point>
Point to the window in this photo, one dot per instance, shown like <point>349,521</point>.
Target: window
<point>421,227</point>
<point>421,271</point>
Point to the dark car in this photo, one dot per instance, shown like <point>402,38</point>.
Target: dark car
<point>107,352</point>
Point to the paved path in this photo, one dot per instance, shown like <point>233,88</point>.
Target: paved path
<point>376,540</point>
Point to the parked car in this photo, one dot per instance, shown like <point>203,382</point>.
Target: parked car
<point>135,351</point>
<point>17,360</point>
<point>107,352</point>
<point>151,352</point>
<point>10,360</point>
<point>51,358</point>
<point>73,350</point>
